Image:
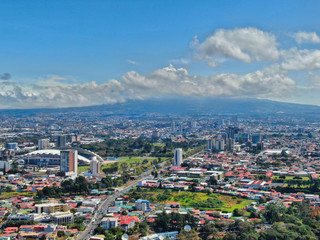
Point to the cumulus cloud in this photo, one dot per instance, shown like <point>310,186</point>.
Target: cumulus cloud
<point>302,37</point>
<point>244,44</point>
<point>169,81</point>
<point>300,59</point>
<point>314,80</point>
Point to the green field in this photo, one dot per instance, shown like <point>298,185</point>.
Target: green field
<point>6,195</point>
<point>83,168</point>
<point>190,199</point>
<point>127,163</point>
<point>288,178</point>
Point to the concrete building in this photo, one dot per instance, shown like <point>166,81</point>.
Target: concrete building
<point>43,144</point>
<point>94,166</point>
<point>62,141</point>
<point>11,146</point>
<point>219,145</point>
<point>256,138</point>
<point>177,157</point>
<point>210,145</point>
<point>69,161</point>
<point>62,217</point>
<point>51,208</point>
<point>142,205</point>
<point>109,222</point>
<point>230,144</point>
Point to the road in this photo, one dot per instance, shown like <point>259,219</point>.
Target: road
<point>96,219</point>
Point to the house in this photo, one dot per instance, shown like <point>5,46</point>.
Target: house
<point>127,221</point>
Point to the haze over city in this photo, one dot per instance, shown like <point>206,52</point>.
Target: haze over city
<point>81,53</point>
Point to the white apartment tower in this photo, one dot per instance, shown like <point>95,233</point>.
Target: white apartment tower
<point>94,166</point>
<point>219,144</point>
<point>43,144</point>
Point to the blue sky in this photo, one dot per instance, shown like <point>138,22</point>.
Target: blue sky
<point>125,48</point>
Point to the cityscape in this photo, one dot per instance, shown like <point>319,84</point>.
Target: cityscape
<point>159,120</point>
<point>155,176</point>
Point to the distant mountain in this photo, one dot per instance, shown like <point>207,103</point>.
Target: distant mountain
<point>247,106</point>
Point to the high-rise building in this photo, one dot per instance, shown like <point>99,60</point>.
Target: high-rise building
<point>260,146</point>
<point>43,144</point>
<point>210,145</point>
<point>219,145</point>
<point>69,161</point>
<point>230,144</point>
<point>181,128</point>
<point>94,166</point>
<point>173,126</point>
<point>62,141</point>
<point>232,131</point>
<point>177,157</point>
<point>256,137</point>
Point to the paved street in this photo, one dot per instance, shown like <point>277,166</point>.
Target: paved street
<point>95,221</point>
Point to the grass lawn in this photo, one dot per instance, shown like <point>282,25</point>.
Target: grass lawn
<point>288,178</point>
<point>159,144</point>
<point>6,195</point>
<point>131,162</point>
<point>83,168</point>
<point>187,199</point>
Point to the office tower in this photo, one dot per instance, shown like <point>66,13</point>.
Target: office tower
<point>69,161</point>
<point>232,131</point>
<point>260,146</point>
<point>210,145</point>
<point>61,142</point>
<point>94,166</point>
<point>181,128</point>
<point>173,126</point>
<point>230,144</point>
<point>219,145</point>
<point>177,157</point>
<point>256,137</point>
<point>43,144</point>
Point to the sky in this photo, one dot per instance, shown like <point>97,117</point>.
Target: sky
<point>67,53</point>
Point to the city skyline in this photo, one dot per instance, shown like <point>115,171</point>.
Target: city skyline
<point>67,53</point>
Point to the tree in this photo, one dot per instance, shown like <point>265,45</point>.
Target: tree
<point>187,235</point>
<point>61,234</point>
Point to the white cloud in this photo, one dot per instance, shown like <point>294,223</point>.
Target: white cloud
<point>245,44</point>
<point>297,60</point>
<point>132,62</point>
<point>169,81</point>
<point>302,37</point>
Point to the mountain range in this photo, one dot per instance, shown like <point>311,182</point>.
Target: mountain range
<point>233,106</point>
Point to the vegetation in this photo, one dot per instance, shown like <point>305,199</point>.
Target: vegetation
<point>173,222</point>
<point>77,186</point>
<point>132,165</point>
<point>191,199</point>
<point>140,147</point>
